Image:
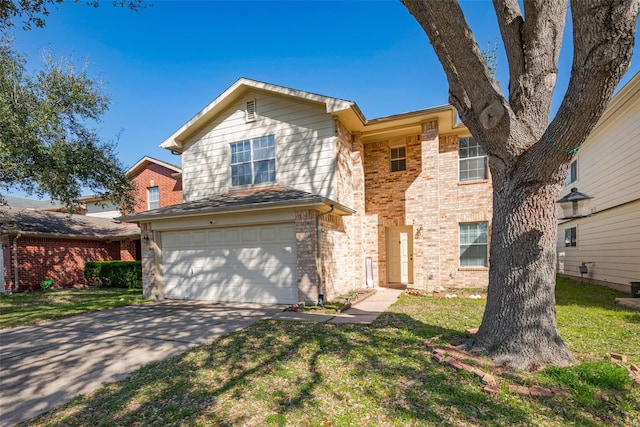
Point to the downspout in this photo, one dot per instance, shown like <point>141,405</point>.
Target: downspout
<point>16,264</point>
<point>319,255</point>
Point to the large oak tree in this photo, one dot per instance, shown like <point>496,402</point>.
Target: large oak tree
<point>528,153</point>
<point>48,145</point>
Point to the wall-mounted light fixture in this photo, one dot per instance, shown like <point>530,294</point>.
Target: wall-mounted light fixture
<point>575,204</point>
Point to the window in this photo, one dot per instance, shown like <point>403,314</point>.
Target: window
<point>573,173</point>
<point>398,159</point>
<point>473,244</point>
<point>473,160</point>
<point>570,237</point>
<point>253,161</point>
<point>153,196</point>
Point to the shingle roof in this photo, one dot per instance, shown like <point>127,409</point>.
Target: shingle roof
<point>272,197</point>
<point>20,203</point>
<point>40,223</point>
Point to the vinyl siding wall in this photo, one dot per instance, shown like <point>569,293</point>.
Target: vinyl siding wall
<point>305,146</point>
<point>609,242</point>
<point>608,170</point>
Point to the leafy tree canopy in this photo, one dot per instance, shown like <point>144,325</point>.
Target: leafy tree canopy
<point>47,142</point>
<point>34,12</point>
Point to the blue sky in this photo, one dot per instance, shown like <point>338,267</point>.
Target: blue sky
<point>164,64</point>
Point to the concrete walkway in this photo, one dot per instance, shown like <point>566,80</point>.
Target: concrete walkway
<point>364,312</point>
<point>45,365</point>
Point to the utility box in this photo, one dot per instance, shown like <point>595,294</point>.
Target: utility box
<point>635,289</point>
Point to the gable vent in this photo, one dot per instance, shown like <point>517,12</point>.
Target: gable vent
<point>250,112</point>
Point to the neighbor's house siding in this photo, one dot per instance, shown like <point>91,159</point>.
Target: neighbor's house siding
<point>609,242</point>
<point>155,175</point>
<point>428,197</point>
<point>608,170</point>
<point>305,146</point>
<point>62,260</point>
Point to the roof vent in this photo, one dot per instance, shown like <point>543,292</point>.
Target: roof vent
<point>250,112</point>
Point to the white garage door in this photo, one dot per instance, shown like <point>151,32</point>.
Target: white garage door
<point>248,264</point>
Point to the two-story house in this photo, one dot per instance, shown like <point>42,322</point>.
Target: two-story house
<point>156,184</point>
<point>607,168</point>
<point>293,196</point>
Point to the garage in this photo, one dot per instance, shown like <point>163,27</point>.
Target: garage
<point>237,264</point>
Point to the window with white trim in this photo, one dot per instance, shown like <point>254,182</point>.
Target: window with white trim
<point>473,244</point>
<point>253,161</point>
<point>571,237</point>
<point>398,158</point>
<point>473,160</point>
<point>153,197</point>
<point>572,176</point>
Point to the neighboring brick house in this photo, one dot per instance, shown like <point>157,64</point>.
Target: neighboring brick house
<point>157,184</point>
<point>35,245</point>
<point>404,199</point>
<point>50,250</point>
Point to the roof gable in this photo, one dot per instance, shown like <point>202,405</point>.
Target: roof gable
<point>144,162</point>
<point>347,110</point>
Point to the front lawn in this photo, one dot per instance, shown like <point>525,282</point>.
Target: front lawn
<point>278,373</point>
<point>31,307</point>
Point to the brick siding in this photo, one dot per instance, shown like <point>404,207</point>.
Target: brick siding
<point>155,175</point>
<point>429,198</point>
<point>306,249</point>
<point>59,259</point>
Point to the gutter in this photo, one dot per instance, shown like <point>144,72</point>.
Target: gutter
<point>16,264</point>
<point>319,254</point>
<point>311,203</point>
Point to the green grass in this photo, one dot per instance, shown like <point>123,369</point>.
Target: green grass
<point>31,307</point>
<point>278,373</point>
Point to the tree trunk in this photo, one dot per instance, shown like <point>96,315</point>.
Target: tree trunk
<point>519,324</point>
<point>528,155</point>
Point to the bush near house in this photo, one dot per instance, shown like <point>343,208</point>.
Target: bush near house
<point>114,274</point>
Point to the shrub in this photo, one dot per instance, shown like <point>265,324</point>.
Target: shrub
<point>114,274</point>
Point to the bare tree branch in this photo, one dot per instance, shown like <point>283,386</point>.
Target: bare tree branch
<point>510,22</point>
<point>604,38</point>
<point>472,88</point>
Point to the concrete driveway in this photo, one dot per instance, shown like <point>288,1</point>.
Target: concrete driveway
<point>45,365</point>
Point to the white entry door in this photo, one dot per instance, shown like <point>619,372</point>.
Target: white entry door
<point>400,254</point>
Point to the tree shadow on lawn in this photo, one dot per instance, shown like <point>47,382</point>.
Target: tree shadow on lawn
<point>297,373</point>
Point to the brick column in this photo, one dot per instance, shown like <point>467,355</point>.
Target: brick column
<point>306,247</point>
<point>428,271</point>
<point>149,286</point>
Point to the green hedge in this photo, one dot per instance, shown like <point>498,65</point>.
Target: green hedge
<point>114,274</point>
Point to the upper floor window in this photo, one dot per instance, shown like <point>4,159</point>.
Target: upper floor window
<point>473,160</point>
<point>253,161</point>
<point>573,173</point>
<point>153,196</point>
<point>398,159</point>
<point>473,244</point>
<point>570,237</point>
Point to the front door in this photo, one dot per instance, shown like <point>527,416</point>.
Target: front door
<point>400,254</point>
